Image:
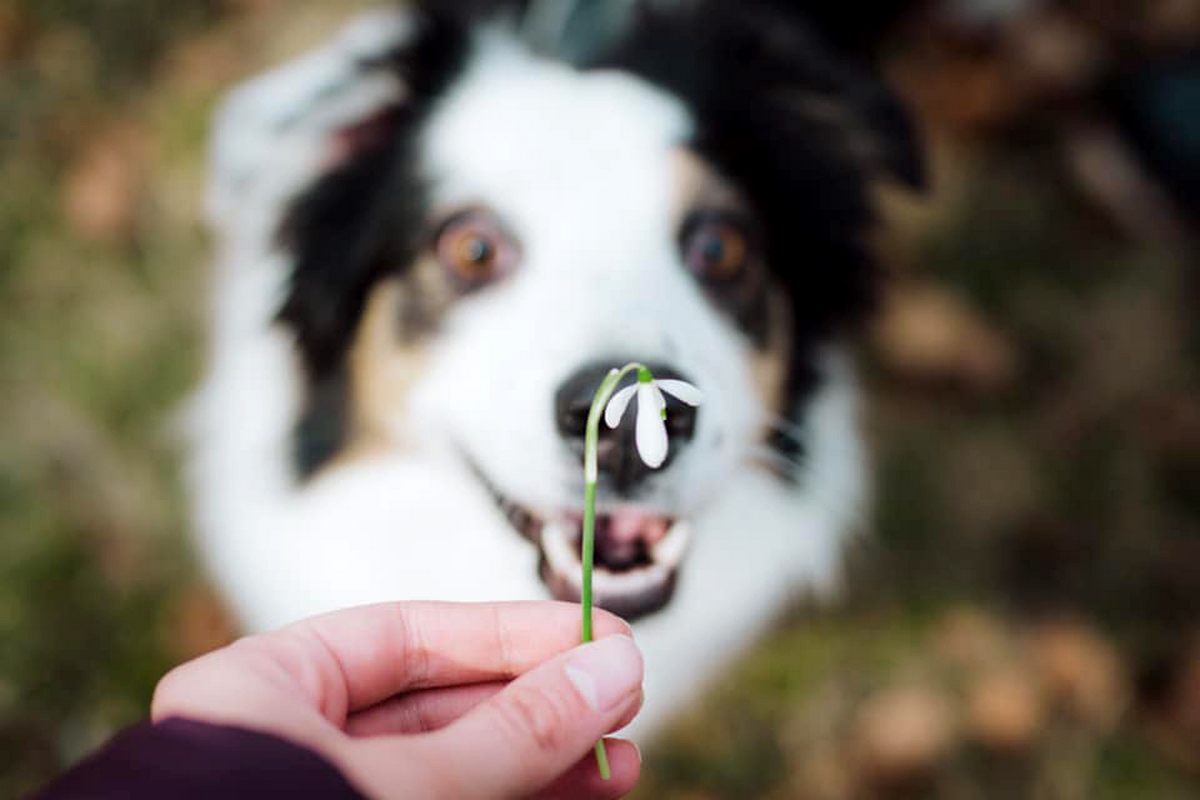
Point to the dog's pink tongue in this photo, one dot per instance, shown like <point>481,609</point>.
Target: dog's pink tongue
<point>630,526</point>
<point>624,538</point>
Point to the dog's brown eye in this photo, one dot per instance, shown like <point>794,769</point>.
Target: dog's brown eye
<point>474,248</point>
<point>716,249</point>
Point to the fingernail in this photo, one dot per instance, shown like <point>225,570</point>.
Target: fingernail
<point>606,671</point>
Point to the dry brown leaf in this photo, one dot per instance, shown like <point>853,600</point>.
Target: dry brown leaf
<point>927,333</point>
<point>1081,672</point>
<point>1005,710</point>
<point>969,638</point>
<point>103,187</point>
<point>903,734</point>
<point>200,623</point>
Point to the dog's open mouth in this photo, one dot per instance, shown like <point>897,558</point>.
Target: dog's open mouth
<point>636,558</point>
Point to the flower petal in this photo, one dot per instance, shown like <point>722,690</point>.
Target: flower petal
<point>651,434</point>
<point>681,389</point>
<point>617,405</point>
<point>655,396</point>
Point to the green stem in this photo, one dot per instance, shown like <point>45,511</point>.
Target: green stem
<point>588,555</point>
<point>591,474</point>
<point>602,760</point>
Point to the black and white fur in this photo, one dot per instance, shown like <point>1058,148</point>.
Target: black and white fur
<point>359,422</point>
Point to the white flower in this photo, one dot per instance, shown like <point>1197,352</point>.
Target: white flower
<point>651,433</point>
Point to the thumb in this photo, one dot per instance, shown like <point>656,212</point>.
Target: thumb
<point>523,738</point>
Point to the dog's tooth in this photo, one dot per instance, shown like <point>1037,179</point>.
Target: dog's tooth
<point>670,549</point>
<point>558,553</point>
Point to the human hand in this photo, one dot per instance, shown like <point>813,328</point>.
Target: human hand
<point>433,700</point>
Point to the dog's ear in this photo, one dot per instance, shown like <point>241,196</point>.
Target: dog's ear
<point>832,86</point>
<point>877,128</point>
<point>769,64</point>
<point>278,133</point>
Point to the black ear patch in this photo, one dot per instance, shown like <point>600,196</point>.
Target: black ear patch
<point>892,143</point>
<point>789,45</point>
<point>773,54</point>
<point>356,225</point>
<point>345,235</point>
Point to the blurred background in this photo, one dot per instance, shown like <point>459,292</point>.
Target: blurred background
<point>1022,617</point>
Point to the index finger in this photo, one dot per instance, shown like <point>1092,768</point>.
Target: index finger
<point>355,658</point>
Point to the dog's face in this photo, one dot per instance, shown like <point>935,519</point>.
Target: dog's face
<point>476,254</point>
<point>563,250</point>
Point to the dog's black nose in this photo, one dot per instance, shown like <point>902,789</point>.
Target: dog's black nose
<point>617,451</point>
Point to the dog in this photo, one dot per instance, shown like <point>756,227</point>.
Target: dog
<point>437,233</point>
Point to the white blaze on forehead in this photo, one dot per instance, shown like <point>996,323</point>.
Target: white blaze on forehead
<point>532,137</point>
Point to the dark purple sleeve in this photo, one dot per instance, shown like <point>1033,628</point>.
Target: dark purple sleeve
<point>181,759</point>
